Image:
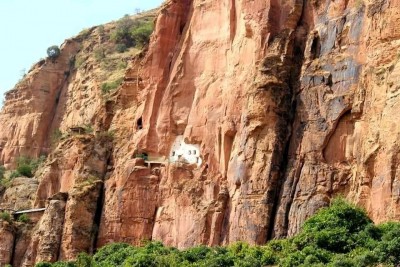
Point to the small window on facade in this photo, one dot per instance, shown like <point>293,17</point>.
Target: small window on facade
<point>173,153</point>
<point>197,160</point>
<point>190,152</point>
<point>194,152</point>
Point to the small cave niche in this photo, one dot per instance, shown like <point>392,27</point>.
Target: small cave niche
<point>181,29</point>
<point>139,124</point>
<point>340,143</point>
<point>228,144</point>
<point>315,51</point>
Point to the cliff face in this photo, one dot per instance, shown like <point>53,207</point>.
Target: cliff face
<point>285,105</point>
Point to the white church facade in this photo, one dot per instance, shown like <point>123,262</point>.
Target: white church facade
<point>180,151</point>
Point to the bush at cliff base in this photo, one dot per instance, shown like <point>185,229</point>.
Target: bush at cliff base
<point>340,235</point>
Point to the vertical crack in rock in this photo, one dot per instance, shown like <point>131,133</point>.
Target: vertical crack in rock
<point>97,217</point>
<point>297,46</point>
<point>233,20</point>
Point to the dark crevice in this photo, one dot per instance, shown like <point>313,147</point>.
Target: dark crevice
<point>63,84</point>
<point>97,217</point>
<point>297,59</point>
<point>16,236</point>
<point>315,48</point>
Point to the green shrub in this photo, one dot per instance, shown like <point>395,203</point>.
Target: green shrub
<point>84,260</point>
<point>99,54</point>
<point>131,32</point>
<point>114,254</point>
<point>141,34</point>
<point>88,128</point>
<point>15,174</point>
<point>25,170</point>
<point>24,218</point>
<point>388,249</point>
<point>121,48</point>
<point>122,65</point>
<point>27,166</point>
<point>364,245</point>
<point>108,87</point>
<point>335,229</point>
<point>5,216</point>
<point>121,34</point>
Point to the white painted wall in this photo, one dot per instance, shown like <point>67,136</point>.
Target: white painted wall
<point>180,151</point>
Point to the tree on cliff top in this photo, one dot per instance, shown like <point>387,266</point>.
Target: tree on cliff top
<point>53,52</point>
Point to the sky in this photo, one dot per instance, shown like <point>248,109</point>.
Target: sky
<point>29,27</point>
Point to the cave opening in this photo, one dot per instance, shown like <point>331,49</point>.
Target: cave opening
<point>139,123</point>
<point>315,48</point>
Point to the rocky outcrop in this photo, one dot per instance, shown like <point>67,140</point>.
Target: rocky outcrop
<point>22,241</point>
<point>46,239</point>
<point>288,103</point>
<point>80,229</point>
<point>20,194</point>
<point>29,108</point>
<point>276,95</point>
<point>7,236</point>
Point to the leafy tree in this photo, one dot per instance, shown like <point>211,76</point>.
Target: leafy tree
<point>141,34</point>
<point>121,34</point>
<point>53,52</point>
<point>363,244</point>
<point>120,48</point>
<point>335,229</point>
<point>27,166</point>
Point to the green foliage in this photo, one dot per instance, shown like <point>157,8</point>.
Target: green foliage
<point>25,170</point>
<point>335,229</point>
<point>106,88</point>
<point>84,260</point>
<point>142,156</point>
<point>341,235</point>
<point>15,174</point>
<point>131,32</point>
<point>24,218</point>
<point>121,34</point>
<point>122,65</point>
<point>99,54</point>
<point>121,48</point>
<point>53,52</point>
<point>88,128</point>
<point>27,166</point>
<point>388,249</point>
<point>141,33</point>
<point>5,216</point>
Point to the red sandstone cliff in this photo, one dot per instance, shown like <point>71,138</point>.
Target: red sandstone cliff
<point>290,103</point>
